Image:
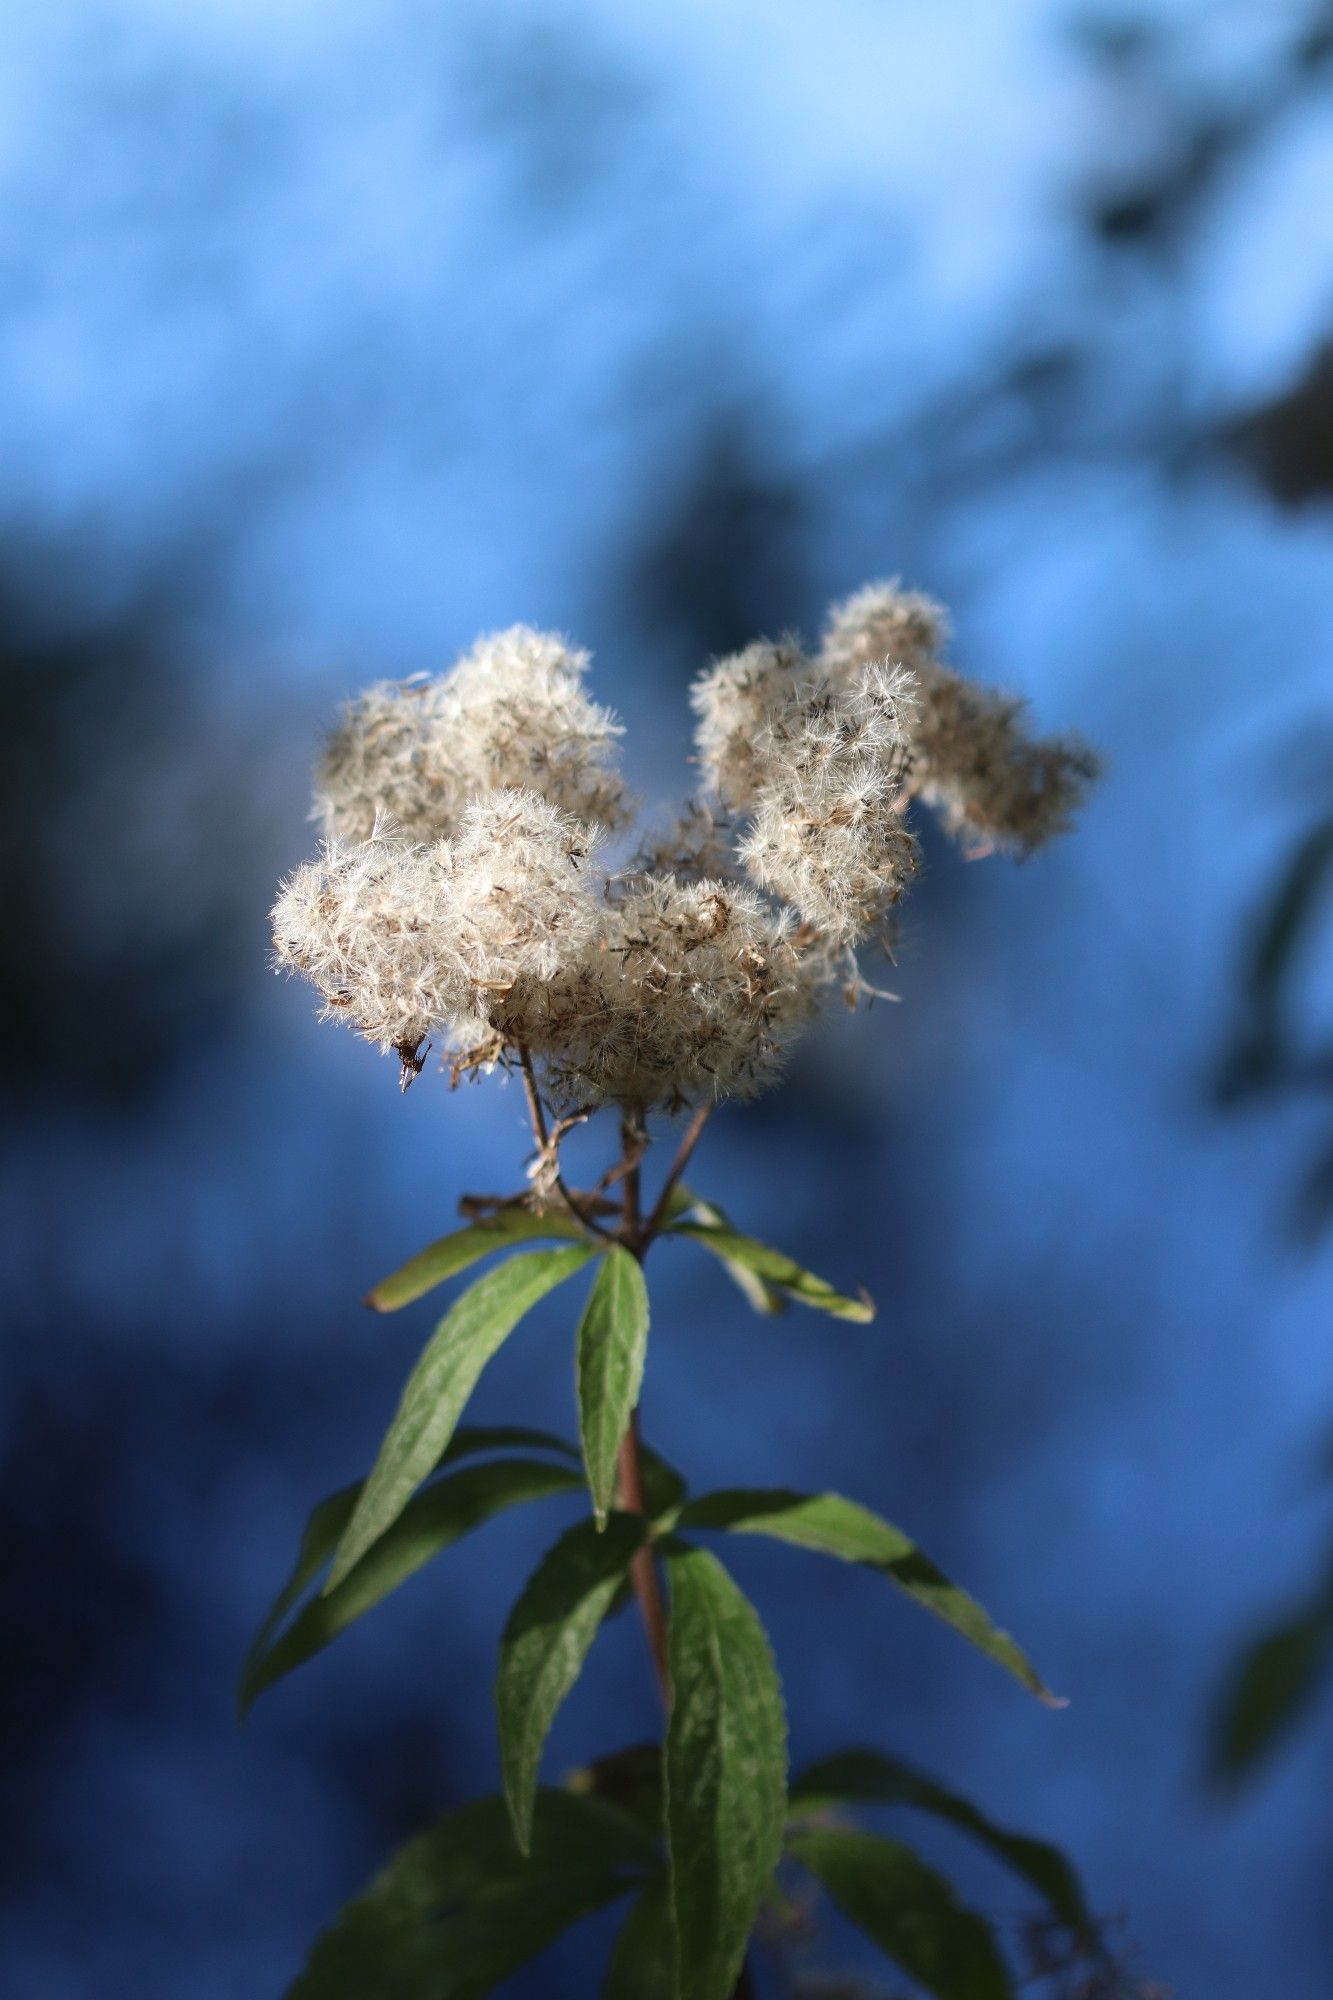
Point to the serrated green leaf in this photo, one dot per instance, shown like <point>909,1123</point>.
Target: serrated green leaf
<point>763,1297</point>
<point>464,1247</point>
<point>643,1962</point>
<point>630,1779</point>
<point>909,1911</point>
<point>868,1777</point>
<point>545,1642</point>
<point>726,1771</point>
<point>432,1520</point>
<point>439,1386</point>
<point>458,1909</point>
<point>775,1268</point>
<point>833,1526</point>
<point>1270,1687</point>
<point>611,1347</point>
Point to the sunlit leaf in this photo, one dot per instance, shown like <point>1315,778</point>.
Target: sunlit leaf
<point>726,1771</point>
<point>547,1639</point>
<point>611,1347</point>
<point>868,1777</point>
<point>762,1296</point>
<point>458,1909</point>
<point>909,1911</point>
<point>833,1526</point>
<point>439,1386</point>
<point>463,1247</point>
<point>433,1519</point>
<point>774,1268</point>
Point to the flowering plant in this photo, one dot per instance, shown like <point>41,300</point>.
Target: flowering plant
<point>464,896</point>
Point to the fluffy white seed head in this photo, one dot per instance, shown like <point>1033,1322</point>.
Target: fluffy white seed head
<point>828,833</point>
<point>993,784</point>
<point>408,939</point>
<point>734,701</point>
<point>698,843</point>
<point>688,991</point>
<point>512,713</point>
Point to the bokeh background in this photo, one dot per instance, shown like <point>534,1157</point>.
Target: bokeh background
<point>335,334</point>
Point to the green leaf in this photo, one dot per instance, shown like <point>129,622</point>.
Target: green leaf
<point>454,1253</point>
<point>439,1386</point>
<point>630,1779</point>
<point>726,1771</point>
<point>433,1519</point>
<point>458,1909</point>
<point>612,1345</point>
<point>909,1911</point>
<point>776,1269</point>
<point>762,1296</point>
<point>833,1526</point>
<point>643,1963</point>
<point>1270,1688</point>
<point>545,1642</point>
<point>867,1777</point>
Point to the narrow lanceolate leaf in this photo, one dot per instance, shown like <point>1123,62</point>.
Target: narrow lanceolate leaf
<point>439,1386</point>
<point>463,1247</point>
<point>909,1911</point>
<point>434,1518</point>
<point>545,1642</point>
<point>867,1777</point>
<point>726,1771</point>
<point>643,1963</point>
<point>612,1344</point>
<point>776,1269</point>
<point>764,1298</point>
<point>833,1526</point>
<point>458,1910</point>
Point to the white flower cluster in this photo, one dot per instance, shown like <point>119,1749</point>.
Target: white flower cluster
<point>459,893</point>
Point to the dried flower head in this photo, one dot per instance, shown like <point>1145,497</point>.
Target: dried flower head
<point>688,990</point>
<point>828,833</point>
<point>512,713</point>
<point>971,757</point>
<point>406,939</point>
<point>734,701</point>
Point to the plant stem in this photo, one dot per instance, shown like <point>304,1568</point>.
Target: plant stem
<point>537,1113</point>
<point>693,1134</point>
<point>646,1583</point>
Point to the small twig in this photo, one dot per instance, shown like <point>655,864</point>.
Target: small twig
<point>646,1583</point>
<point>547,1147</point>
<point>693,1134</point>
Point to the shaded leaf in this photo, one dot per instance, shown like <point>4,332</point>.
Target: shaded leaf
<point>834,1526</point>
<point>611,1348</point>
<point>547,1639</point>
<point>630,1779</point>
<point>774,1268</point>
<point>867,1777</point>
<point>643,1962</point>
<point>1272,1685</point>
<point>439,1386</point>
<point>458,1909</point>
<point>463,1247</point>
<point>726,1771</point>
<point>909,1911</point>
<point>663,1487</point>
<point>433,1519</point>
<point>762,1296</point>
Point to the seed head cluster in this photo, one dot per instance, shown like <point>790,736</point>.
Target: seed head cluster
<point>461,895</point>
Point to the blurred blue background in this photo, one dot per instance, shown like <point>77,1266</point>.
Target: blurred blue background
<point>333,335</point>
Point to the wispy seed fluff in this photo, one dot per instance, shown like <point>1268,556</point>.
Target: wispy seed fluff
<point>459,897</point>
<point>828,835</point>
<point>408,939</point>
<point>993,784</point>
<point>512,713</point>
<point>688,991</point>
